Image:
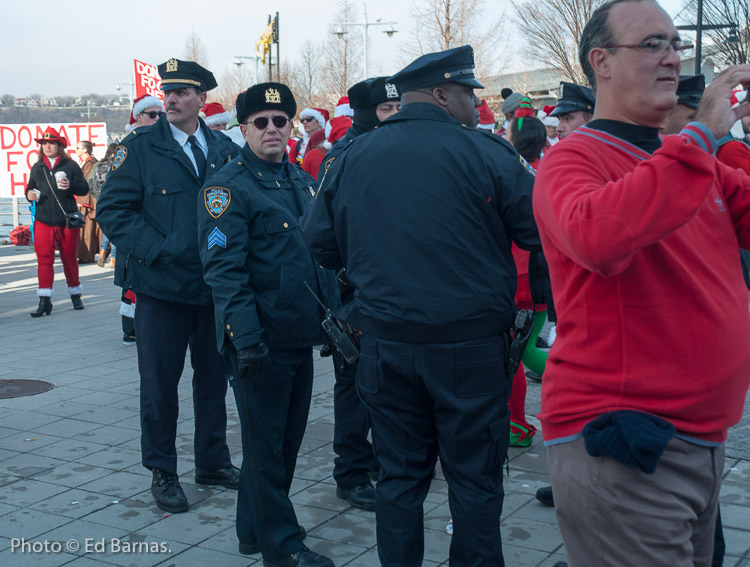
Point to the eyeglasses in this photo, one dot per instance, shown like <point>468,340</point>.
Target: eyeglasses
<point>261,123</point>
<point>657,46</point>
<point>306,119</point>
<point>153,113</point>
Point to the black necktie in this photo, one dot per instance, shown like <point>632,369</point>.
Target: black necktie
<point>200,159</point>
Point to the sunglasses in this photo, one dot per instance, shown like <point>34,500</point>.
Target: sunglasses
<point>261,123</point>
<point>307,119</point>
<point>153,113</point>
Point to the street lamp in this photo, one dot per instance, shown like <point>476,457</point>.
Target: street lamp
<point>365,24</point>
<point>240,62</point>
<point>699,27</point>
<point>119,86</point>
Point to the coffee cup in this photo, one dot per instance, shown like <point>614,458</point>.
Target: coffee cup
<point>60,175</point>
<point>36,192</point>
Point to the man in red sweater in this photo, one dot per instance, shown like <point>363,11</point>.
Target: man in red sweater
<point>637,397</point>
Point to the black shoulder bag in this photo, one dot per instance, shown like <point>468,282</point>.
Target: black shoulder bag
<point>72,220</point>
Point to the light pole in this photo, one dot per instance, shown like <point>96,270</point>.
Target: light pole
<point>365,24</point>
<point>256,58</point>
<point>699,27</point>
<point>119,86</point>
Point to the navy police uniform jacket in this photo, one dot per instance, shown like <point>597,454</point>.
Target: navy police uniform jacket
<point>421,212</point>
<point>147,208</point>
<point>255,259</point>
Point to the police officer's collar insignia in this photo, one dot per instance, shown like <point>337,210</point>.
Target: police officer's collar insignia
<point>171,65</point>
<point>273,96</point>
<point>217,200</point>
<point>217,238</point>
<point>120,154</point>
<point>526,164</point>
<point>391,91</point>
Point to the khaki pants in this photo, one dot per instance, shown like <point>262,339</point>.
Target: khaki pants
<point>611,514</point>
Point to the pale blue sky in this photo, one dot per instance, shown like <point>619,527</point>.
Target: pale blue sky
<point>72,47</point>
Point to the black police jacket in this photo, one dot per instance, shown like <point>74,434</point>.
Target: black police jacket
<point>254,257</point>
<point>421,212</point>
<point>147,208</point>
<point>41,178</point>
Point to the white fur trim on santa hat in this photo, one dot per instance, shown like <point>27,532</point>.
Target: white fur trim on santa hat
<point>343,108</point>
<point>146,102</point>
<point>551,121</point>
<point>737,131</point>
<point>486,126</point>
<point>315,114</point>
<point>221,118</point>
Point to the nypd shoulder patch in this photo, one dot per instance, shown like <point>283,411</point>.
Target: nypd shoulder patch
<point>120,154</point>
<point>217,200</point>
<point>526,164</point>
<point>217,238</point>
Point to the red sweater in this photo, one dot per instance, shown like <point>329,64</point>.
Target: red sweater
<point>652,307</point>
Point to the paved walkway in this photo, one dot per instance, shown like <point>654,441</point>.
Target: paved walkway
<point>71,478</point>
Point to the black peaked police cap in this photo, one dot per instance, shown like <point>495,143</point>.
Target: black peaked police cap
<point>178,74</point>
<point>265,96</point>
<point>451,66</point>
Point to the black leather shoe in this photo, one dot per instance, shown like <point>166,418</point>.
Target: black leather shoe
<point>544,495</point>
<point>168,493</point>
<point>361,496</point>
<point>303,558</point>
<point>228,477</point>
<point>253,547</point>
<point>44,308</point>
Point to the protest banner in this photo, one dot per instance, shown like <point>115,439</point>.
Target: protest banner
<point>19,151</point>
<point>147,80</point>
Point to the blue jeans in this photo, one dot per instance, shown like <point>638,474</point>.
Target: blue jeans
<point>105,243</point>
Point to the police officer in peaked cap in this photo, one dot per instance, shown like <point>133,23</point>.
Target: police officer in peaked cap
<point>267,321</point>
<point>147,208</point>
<point>574,108</point>
<point>423,224</point>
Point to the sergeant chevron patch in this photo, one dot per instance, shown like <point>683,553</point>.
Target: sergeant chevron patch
<point>217,238</point>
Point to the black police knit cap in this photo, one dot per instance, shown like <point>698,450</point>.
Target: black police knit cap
<point>265,96</point>
<point>178,74</point>
<point>690,90</point>
<point>572,97</point>
<point>372,92</point>
<point>451,66</point>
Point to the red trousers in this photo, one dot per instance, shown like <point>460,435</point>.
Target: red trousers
<point>46,240</point>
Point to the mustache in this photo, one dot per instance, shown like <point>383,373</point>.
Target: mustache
<point>172,107</point>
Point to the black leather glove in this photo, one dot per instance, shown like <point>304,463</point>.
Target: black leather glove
<point>253,361</point>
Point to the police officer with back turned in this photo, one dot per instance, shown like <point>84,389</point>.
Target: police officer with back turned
<point>426,242</point>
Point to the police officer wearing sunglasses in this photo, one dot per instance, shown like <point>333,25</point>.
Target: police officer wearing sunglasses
<point>147,207</point>
<point>257,264</point>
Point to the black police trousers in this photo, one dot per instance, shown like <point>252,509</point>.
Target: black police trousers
<point>427,400</point>
<point>273,415</point>
<point>355,458</point>
<point>165,330</point>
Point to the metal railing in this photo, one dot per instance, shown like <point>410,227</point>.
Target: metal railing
<point>14,211</point>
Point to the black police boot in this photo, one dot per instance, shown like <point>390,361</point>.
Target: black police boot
<point>303,558</point>
<point>544,495</point>
<point>168,493</point>
<point>361,496</point>
<point>77,303</point>
<point>45,307</point>
<point>228,477</point>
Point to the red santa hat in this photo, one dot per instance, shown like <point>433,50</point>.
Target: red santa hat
<point>547,120</point>
<point>343,108</point>
<point>142,103</point>
<point>321,115</point>
<point>336,129</point>
<point>737,97</point>
<point>486,118</point>
<point>213,113</point>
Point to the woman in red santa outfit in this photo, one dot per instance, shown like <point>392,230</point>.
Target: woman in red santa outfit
<point>54,181</point>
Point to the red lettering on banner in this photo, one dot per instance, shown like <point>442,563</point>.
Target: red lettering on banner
<point>26,140</point>
<point>77,128</point>
<point>15,184</point>
<point>7,138</point>
<point>14,162</point>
